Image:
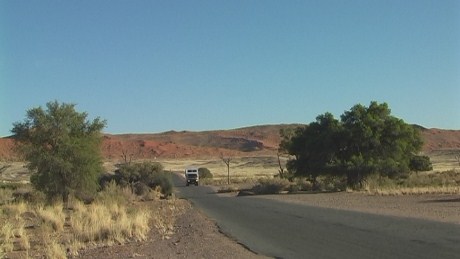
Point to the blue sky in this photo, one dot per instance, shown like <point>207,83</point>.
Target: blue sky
<point>153,66</point>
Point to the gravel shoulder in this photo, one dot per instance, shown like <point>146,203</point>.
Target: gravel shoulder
<point>442,208</point>
<point>195,236</point>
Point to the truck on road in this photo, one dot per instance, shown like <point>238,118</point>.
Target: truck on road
<point>191,176</point>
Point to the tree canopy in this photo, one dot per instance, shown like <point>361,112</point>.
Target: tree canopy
<point>366,140</point>
<point>62,148</point>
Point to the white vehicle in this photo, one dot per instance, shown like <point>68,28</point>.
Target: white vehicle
<point>191,176</point>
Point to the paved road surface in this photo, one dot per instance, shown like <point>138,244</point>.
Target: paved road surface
<point>284,230</point>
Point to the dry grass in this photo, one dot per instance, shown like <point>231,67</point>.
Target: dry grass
<point>54,250</point>
<point>240,167</point>
<point>6,196</point>
<point>427,183</point>
<point>6,237</point>
<point>52,215</point>
<point>109,223</point>
<point>115,217</point>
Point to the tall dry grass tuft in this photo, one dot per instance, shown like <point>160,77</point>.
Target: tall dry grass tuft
<point>23,242</point>
<point>52,215</point>
<point>113,194</point>
<point>14,210</point>
<point>6,237</point>
<point>54,250</point>
<point>140,225</point>
<point>105,221</point>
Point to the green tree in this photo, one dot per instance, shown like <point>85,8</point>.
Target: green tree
<point>420,164</point>
<point>62,149</point>
<point>376,142</point>
<point>366,140</point>
<point>314,147</point>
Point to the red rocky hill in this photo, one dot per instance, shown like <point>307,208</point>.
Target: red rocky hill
<point>250,141</point>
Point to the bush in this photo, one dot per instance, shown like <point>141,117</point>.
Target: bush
<point>141,189</point>
<point>204,173</point>
<point>164,180</point>
<point>271,186</point>
<point>140,177</point>
<point>420,163</point>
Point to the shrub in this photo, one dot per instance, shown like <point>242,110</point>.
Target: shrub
<point>204,173</point>
<point>271,186</point>
<point>141,189</point>
<point>140,177</point>
<point>420,163</point>
<point>164,180</point>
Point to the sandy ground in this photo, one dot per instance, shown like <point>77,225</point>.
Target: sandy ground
<point>196,236</point>
<point>443,208</point>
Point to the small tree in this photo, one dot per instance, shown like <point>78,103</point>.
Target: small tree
<point>62,148</point>
<point>204,172</point>
<point>227,161</point>
<point>420,164</point>
<point>458,158</point>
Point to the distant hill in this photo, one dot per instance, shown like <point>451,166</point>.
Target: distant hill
<point>249,141</point>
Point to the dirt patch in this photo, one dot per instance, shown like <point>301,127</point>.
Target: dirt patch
<point>443,208</point>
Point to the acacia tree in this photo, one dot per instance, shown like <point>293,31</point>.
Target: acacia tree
<point>314,147</point>
<point>366,140</point>
<point>376,142</point>
<point>62,149</point>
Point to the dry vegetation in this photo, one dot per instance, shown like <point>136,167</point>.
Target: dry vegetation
<point>37,229</point>
<point>31,228</point>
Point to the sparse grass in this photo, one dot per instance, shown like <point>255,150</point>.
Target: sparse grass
<point>22,237</point>
<point>165,216</point>
<point>423,183</point>
<point>271,186</point>
<point>113,218</point>
<point>6,196</point>
<point>240,167</point>
<point>54,250</point>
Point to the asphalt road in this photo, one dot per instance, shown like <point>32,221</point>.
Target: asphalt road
<point>284,230</point>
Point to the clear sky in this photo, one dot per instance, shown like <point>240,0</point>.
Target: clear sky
<point>153,66</point>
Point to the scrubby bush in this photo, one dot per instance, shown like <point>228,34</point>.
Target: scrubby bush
<point>271,186</point>
<point>204,173</point>
<point>141,189</point>
<point>301,184</point>
<point>140,177</point>
<point>420,164</point>
<point>164,181</point>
